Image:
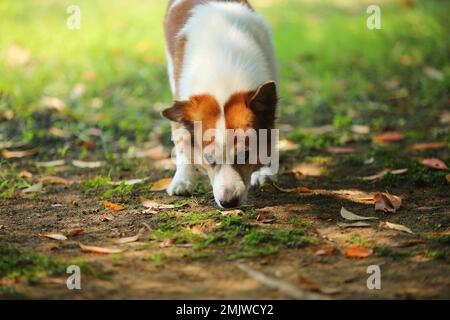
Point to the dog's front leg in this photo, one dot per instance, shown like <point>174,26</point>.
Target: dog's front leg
<point>185,178</point>
<point>262,176</point>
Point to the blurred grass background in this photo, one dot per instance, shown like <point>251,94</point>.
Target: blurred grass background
<point>111,73</point>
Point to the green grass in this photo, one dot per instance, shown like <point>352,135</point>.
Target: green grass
<point>331,64</point>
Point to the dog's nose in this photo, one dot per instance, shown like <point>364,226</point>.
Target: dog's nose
<point>230,203</point>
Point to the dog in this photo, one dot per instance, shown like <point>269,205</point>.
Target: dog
<point>223,75</point>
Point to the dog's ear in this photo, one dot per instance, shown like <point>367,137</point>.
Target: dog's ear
<point>264,102</point>
<point>177,112</point>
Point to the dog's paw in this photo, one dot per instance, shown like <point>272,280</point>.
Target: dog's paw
<point>183,182</point>
<point>180,187</point>
<point>262,176</point>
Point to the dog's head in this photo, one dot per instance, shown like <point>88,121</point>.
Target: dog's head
<point>227,141</point>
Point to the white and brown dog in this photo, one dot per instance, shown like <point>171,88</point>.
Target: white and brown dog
<point>222,71</point>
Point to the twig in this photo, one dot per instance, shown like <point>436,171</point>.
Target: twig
<point>281,286</point>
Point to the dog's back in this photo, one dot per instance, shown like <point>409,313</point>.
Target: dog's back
<point>217,47</point>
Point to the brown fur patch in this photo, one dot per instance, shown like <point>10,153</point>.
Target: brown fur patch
<point>238,113</point>
<point>204,108</point>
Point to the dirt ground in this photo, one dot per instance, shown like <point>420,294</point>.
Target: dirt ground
<point>416,266</point>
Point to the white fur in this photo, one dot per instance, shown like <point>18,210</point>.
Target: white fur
<point>228,50</point>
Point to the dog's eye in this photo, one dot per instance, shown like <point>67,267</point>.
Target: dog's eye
<point>210,160</point>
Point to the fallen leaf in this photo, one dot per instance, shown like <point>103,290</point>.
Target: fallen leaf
<point>54,180</point>
<point>405,60</point>
<point>358,224</point>
<point>49,164</point>
<point>340,150</point>
<point>448,178</point>
<point>87,164</point>
<point>129,239</point>
<point>130,182</point>
<point>161,185</point>
<point>358,252</point>
<point>433,73</point>
<point>325,251</point>
<point>17,56</point>
<point>376,176</point>
<point>236,212</point>
<point>197,229</point>
<point>75,232</point>
<point>398,171</point>
<point>34,188</point>
<point>100,250</point>
<point>427,146</point>
<point>360,129</point>
<point>291,190</point>
<point>55,236</point>
<point>60,133</point>
<point>53,103</point>
<point>85,144</point>
<point>166,243</point>
<point>434,163</point>
<point>150,204</point>
<point>407,244</point>
<point>397,227</point>
<point>392,136</point>
<point>106,218</point>
<point>25,175</point>
<point>383,173</point>
<point>112,206</point>
<point>351,216</point>
<point>386,202</point>
<point>286,145</point>
<point>7,154</point>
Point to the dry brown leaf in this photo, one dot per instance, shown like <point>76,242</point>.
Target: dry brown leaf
<point>166,243</point>
<point>100,250</point>
<point>340,150</point>
<point>55,236</point>
<point>25,175</point>
<point>75,232</point>
<point>7,154</point>
<point>161,185</point>
<point>53,103</point>
<point>434,163</point>
<point>286,145</point>
<point>198,230</point>
<point>290,190</point>
<point>397,227</point>
<point>54,180</point>
<point>129,239</point>
<point>358,252</point>
<point>106,218</point>
<point>328,251</point>
<point>353,217</point>
<point>392,136</point>
<point>386,202</point>
<point>85,144</point>
<point>448,178</point>
<point>427,146</point>
<point>60,133</point>
<point>112,206</point>
<point>17,56</point>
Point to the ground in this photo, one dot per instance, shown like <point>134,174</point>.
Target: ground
<point>354,102</point>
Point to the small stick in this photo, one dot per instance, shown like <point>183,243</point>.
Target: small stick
<point>281,286</point>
